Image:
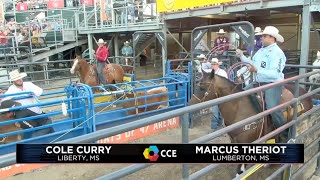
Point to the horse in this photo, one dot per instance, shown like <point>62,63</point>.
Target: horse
<point>214,86</point>
<point>314,78</point>
<point>9,128</point>
<point>148,100</point>
<point>128,65</point>
<point>113,73</point>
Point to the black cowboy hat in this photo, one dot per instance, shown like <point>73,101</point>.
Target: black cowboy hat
<point>8,104</point>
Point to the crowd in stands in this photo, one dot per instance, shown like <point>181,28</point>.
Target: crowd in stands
<point>12,33</point>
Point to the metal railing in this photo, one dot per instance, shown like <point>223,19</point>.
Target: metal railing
<point>40,73</point>
<point>63,125</point>
<point>96,17</point>
<point>9,160</point>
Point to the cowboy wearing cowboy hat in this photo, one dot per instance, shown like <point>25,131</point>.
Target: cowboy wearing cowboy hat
<point>126,50</point>
<point>102,54</point>
<point>217,119</point>
<point>20,86</point>
<point>257,42</point>
<point>206,66</point>
<point>268,64</point>
<point>222,43</point>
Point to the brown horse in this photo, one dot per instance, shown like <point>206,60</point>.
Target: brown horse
<point>148,100</point>
<point>113,73</point>
<point>8,128</point>
<point>213,86</point>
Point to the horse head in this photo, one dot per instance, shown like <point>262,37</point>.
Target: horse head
<point>213,86</point>
<point>76,64</point>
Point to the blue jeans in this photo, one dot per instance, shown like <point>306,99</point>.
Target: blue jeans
<point>272,99</point>
<point>100,66</point>
<point>216,117</point>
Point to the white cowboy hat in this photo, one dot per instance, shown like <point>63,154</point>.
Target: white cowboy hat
<point>127,42</point>
<point>215,61</point>
<point>272,31</point>
<point>221,31</point>
<point>15,75</point>
<point>101,41</point>
<point>202,56</point>
<point>258,30</point>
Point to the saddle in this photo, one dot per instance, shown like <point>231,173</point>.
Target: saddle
<point>285,97</point>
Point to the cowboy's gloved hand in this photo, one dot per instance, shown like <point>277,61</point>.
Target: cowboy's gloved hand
<point>239,53</point>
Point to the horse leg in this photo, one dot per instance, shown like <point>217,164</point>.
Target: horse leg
<point>240,169</point>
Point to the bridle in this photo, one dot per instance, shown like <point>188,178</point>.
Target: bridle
<point>206,93</point>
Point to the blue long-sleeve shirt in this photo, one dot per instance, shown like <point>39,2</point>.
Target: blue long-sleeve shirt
<point>257,44</point>
<point>126,51</point>
<point>269,62</point>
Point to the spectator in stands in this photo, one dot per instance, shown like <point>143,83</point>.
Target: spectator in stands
<point>126,50</point>
<point>3,42</point>
<point>221,43</point>
<point>11,25</point>
<point>20,86</point>
<point>257,42</point>
<point>24,113</point>
<point>102,54</point>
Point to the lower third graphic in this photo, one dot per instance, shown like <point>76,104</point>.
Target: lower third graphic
<point>151,153</point>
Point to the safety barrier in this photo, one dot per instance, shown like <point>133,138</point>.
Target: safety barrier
<point>184,112</point>
<point>70,125</point>
<point>86,115</point>
<point>185,139</point>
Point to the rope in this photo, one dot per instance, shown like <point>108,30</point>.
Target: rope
<point>88,119</point>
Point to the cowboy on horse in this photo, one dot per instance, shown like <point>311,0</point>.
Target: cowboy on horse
<point>102,54</point>
<point>268,64</point>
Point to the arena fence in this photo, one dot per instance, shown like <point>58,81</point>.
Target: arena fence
<point>184,112</point>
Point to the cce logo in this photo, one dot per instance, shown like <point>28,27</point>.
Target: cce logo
<point>151,153</point>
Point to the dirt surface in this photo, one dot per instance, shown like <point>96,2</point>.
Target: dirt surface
<point>156,172</point>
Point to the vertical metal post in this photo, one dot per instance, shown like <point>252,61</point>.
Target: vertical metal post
<point>116,47</point>
<point>113,14</point>
<point>164,49</point>
<point>90,46</point>
<point>305,38</point>
<point>180,41</point>
<point>299,33</point>
<point>84,15</point>
<point>95,14</point>
<point>185,140</point>
<point>293,131</point>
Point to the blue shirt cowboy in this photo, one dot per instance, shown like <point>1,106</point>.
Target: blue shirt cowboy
<point>126,50</point>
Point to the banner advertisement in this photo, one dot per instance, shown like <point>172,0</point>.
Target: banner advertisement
<point>55,4</point>
<point>173,5</point>
<point>87,2</point>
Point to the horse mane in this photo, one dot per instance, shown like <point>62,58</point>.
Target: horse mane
<point>238,88</point>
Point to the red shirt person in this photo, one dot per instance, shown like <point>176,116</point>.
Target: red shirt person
<point>102,54</point>
<point>221,43</point>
